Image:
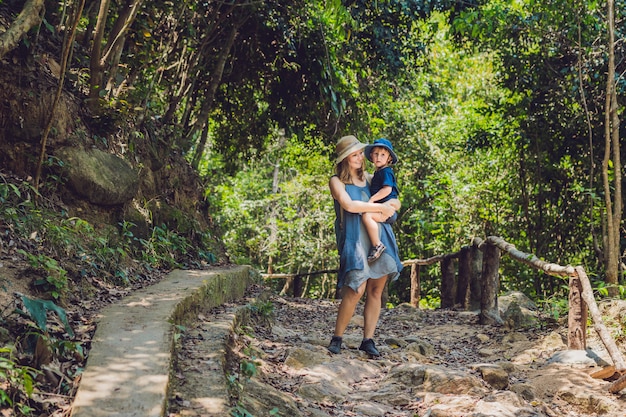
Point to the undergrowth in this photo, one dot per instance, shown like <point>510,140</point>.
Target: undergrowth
<point>243,357</point>
<point>64,254</point>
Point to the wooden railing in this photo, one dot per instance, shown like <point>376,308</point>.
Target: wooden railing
<point>477,282</point>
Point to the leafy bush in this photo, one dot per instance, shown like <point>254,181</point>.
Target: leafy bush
<point>165,248</point>
<point>55,280</point>
<point>15,379</point>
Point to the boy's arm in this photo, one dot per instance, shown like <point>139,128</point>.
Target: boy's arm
<point>382,193</point>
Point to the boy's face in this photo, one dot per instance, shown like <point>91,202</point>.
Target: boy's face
<point>380,157</point>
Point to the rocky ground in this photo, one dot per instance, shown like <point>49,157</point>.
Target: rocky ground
<point>434,363</point>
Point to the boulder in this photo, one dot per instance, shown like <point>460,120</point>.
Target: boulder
<point>517,310</point>
<point>99,177</point>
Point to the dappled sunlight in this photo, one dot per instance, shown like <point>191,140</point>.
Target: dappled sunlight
<point>128,368</point>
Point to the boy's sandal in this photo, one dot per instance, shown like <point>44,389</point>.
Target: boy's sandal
<point>375,252</point>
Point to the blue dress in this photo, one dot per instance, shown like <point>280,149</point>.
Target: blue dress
<point>353,244</point>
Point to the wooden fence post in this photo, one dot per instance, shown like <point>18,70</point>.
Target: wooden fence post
<point>415,285</point>
<point>603,332</point>
<point>489,313</point>
<point>475,287</point>
<point>465,272</point>
<point>286,286</point>
<point>577,316</point>
<point>447,282</point>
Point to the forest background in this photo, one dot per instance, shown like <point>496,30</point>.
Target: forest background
<point>505,116</point>
<point>497,109</point>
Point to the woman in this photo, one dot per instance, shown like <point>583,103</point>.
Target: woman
<point>350,191</point>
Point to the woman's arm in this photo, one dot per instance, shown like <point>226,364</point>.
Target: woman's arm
<point>339,193</point>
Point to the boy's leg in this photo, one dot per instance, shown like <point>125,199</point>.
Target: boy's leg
<point>370,221</point>
<point>392,219</point>
<point>372,227</point>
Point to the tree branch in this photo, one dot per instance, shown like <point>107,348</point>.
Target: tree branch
<point>29,17</point>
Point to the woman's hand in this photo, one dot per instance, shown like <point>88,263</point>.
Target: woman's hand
<point>395,203</point>
<point>387,210</point>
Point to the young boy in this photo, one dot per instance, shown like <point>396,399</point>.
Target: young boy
<point>383,188</point>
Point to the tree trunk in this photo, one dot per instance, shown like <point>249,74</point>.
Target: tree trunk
<point>66,52</point>
<point>207,103</point>
<point>298,286</point>
<point>117,36</point>
<point>96,69</point>
<point>611,141</point>
<point>29,17</point>
<point>197,156</point>
<point>117,39</point>
<point>272,240</point>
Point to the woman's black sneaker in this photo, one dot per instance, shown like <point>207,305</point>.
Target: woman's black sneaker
<point>368,346</point>
<point>335,345</point>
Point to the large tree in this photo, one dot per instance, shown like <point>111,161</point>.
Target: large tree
<point>553,60</point>
<point>612,161</point>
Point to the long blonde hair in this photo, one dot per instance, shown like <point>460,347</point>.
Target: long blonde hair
<point>342,169</point>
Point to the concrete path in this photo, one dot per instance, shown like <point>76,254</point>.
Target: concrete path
<point>128,368</point>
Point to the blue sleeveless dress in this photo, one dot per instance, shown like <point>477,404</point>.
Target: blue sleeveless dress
<point>353,244</point>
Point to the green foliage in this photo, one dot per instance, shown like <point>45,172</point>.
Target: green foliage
<point>495,108</point>
<point>179,331</point>
<point>429,303</point>
<point>262,311</point>
<point>18,378</point>
<point>240,411</point>
<point>62,250</point>
<point>37,310</point>
<point>552,61</point>
<point>7,189</point>
<point>16,200</point>
<point>291,228</point>
<point>248,369</point>
<point>38,344</point>
<point>55,277</point>
<point>554,307</point>
<point>165,248</point>
<point>602,288</point>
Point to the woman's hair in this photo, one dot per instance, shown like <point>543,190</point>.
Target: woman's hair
<point>342,169</point>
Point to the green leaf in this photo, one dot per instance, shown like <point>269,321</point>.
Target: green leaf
<point>48,26</point>
<point>38,312</point>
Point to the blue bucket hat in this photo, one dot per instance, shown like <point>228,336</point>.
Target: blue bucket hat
<point>381,143</point>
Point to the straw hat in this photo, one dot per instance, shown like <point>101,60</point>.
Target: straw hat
<point>347,145</point>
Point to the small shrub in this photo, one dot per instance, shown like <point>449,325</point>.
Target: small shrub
<point>55,280</point>
<point>15,380</point>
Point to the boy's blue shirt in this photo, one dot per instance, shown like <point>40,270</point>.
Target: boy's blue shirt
<point>384,177</point>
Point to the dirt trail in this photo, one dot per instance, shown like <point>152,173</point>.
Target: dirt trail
<point>281,367</point>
